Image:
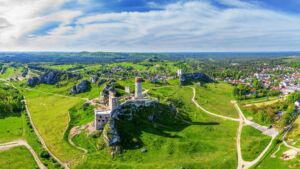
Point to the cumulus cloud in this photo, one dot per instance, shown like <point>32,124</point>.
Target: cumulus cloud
<point>180,26</point>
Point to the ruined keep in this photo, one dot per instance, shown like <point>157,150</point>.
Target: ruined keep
<point>138,88</point>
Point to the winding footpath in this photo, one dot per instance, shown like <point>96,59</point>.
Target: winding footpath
<point>17,143</point>
<point>242,164</point>
<point>208,112</point>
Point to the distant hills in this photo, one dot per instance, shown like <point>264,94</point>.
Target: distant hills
<point>107,57</point>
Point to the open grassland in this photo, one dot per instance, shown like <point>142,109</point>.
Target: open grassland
<point>11,128</point>
<point>274,160</point>
<point>50,115</point>
<point>205,141</point>
<point>217,97</point>
<point>9,71</point>
<point>63,90</point>
<point>253,142</point>
<point>17,158</point>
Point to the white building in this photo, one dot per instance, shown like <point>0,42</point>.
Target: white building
<point>179,72</point>
<point>102,116</point>
<point>138,88</point>
<point>127,89</point>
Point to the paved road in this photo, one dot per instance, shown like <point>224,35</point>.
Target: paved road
<point>16,143</point>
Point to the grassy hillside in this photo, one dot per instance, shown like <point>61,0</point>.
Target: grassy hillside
<point>216,97</point>
<point>50,115</point>
<point>18,157</point>
<point>253,142</point>
<point>203,141</point>
<point>11,128</point>
<point>277,162</point>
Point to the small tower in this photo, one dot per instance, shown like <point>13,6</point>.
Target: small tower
<point>179,72</point>
<point>113,101</point>
<point>102,97</point>
<point>138,88</point>
<point>127,89</point>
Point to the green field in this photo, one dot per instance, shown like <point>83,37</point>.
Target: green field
<point>294,134</point>
<point>253,142</point>
<point>50,115</point>
<point>18,157</point>
<point>205,142</point>
<point>217,97</point>
<point>11,128</point>
<point>276,162</point>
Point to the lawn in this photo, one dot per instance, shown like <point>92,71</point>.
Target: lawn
<point>18,157</point>
<point>216,97</point>
<point>253,142</point>
<point>205,143</point>
<point>50,115</point>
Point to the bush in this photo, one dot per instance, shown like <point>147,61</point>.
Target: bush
<point>45,154</point>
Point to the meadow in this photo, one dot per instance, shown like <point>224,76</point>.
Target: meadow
<point>253,142</point>
<point>217,97</point>
<point>18,157</point>
<point>11,128</point>
<point>206,141</point>
<point>50,114</point>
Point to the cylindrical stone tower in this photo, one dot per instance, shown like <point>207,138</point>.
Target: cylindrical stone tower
<point>138,88</point>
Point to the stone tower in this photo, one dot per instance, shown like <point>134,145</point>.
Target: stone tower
<point>113,101</point>
<point>179,72</point>
<point>138,88</point>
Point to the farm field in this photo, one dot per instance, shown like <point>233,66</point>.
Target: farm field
<point>17,157</point>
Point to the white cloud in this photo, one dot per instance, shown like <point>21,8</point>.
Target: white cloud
<point>182,26</point>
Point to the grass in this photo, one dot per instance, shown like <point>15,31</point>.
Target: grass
<point>253,142</point>
<point>277,162</point>
<point>294,134</point>
<point>198,145</point>
<point>18,157</point>
<point>11,128</point>
<point>216,97</point>
<point>259,100</point>
<point>9,71</point>
<point>50,115</point>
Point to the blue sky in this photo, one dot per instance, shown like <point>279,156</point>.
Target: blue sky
<point>150,26</point>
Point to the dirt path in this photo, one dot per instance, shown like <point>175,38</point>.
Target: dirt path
<point>16,143</point>
<point>265,130</point>
<point>65,165</point>
<point>242,164</point>
<point>208,112</point>
<point>238,143</point>
<point>285,143</point>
